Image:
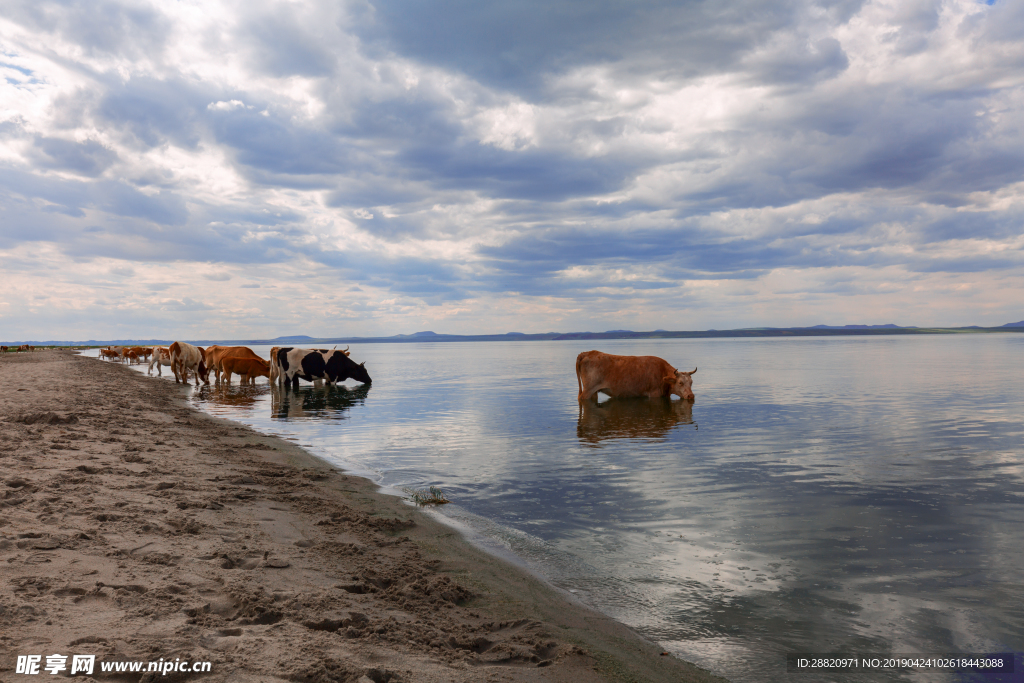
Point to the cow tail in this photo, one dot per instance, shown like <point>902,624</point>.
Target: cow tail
<point>579,381</point>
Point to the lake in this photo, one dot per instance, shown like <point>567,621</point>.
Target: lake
<point>823,495</point>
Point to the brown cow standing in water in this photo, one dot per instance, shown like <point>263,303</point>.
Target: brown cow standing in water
<point>216,355</point>
<point>248,369</point>
<point>622,376</point>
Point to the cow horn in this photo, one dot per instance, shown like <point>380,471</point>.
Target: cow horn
<point>690,373</point>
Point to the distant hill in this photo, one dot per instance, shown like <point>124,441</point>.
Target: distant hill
<point>433,337</point>
<point>887,326</point>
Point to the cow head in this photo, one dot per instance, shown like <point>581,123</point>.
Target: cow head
<point>358,372</point>
<point>681,384</point>
<point>340,366</point>
<point>203,371</point>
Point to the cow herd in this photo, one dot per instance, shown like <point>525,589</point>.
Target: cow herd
<point>596,372</point>
<point>127,354</point>
<point>22,347</point>
<point>287,365</point>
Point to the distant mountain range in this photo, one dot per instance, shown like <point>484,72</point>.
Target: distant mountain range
<point>428,336</point>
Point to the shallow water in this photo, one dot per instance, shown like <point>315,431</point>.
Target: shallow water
<point>856,495</point>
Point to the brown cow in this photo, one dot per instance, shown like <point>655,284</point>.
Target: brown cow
<point>185,357</point>
<point>248,368</point>
<point>625,376</point>
<point>215,356</point>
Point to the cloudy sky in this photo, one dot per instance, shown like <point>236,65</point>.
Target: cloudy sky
<point>374,167</point>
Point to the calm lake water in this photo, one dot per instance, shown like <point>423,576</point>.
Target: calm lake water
<point>823,495</point>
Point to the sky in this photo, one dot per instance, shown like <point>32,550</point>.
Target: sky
<point>362,168</point>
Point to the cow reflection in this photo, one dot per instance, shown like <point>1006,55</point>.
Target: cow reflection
<point>243,396</point>
<point>631,418</point>
<point>327,402</point>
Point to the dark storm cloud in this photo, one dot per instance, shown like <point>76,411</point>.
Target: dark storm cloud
<point>531,174</point>
<point>799,60</point>
<point>114,197</point>
<point>132,224</point>
<point>270,216</point>
<point>377,190</point>
<point>972,225</point>
<point>684,249</point>
<point>88,158</point>
<point>535,262</point>
<point>516,46</point>
<point>280,47</point>
<point>154,111</point>
<point>101,26</point>
<point>885,137</point>
<point>120,199</point>
<point>280,146</point>
<point>428,278</point>
<point>1002,24</point>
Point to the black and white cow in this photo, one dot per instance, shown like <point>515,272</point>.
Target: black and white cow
<point>315,365</point>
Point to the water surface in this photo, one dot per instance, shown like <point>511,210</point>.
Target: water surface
<point>822,495</point>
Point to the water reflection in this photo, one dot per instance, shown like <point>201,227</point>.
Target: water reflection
<point>327,402</point>
<point>631,418</point>
<point>840,499</point>
<point>244,396</point>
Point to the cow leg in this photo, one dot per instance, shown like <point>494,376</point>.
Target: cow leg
<point>295,382</point>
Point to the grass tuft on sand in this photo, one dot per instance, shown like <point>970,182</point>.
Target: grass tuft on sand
<point>432,496</point>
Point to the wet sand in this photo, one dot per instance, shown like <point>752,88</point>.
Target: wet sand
<point>134,527</point>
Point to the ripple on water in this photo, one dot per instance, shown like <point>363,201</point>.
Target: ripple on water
<point>821,495</point>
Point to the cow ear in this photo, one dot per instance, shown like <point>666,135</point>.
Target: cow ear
<point>670,379</point>
<point>363,364</point>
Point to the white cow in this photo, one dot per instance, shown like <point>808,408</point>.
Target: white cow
<point>161,356</point>
<point>185,357</point>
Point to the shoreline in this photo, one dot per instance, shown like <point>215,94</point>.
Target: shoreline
<point>136,527</point>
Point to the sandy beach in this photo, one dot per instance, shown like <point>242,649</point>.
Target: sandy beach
<point>137,529</point>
